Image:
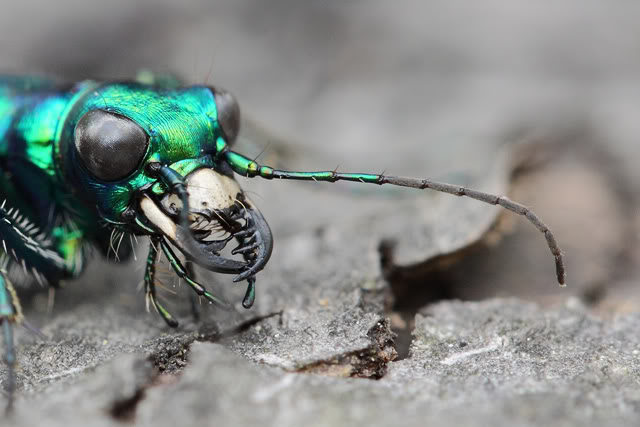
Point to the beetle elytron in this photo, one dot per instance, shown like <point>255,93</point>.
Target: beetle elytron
<point>146,158</point>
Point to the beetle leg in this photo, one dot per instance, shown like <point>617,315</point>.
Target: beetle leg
<point>182,273</point>
<point>10,312</point>
<point>150,287</point>
<point>194,298</point>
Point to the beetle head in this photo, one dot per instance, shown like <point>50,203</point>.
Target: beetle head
<point>149,159</point>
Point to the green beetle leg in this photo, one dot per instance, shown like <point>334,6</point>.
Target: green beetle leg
<point>179,269</point>
<point>150,287</point>
<point>10,313</point>
<point>194,298</point>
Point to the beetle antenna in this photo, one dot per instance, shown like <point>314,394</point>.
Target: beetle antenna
<point>246,167</point>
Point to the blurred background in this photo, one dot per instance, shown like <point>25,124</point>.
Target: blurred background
<point>422,88</point>
<point>352,75</point>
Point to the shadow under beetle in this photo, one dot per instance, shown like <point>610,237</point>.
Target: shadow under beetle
<point>81,161</point>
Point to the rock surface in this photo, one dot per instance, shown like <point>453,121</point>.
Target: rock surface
<point>486,363</point>
<point>538,102</point>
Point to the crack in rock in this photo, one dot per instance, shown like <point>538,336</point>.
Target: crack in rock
<point>370,362</point>
<point>169,355</point>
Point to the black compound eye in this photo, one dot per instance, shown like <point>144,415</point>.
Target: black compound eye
<point>228,113</point>
<point>110,145</point>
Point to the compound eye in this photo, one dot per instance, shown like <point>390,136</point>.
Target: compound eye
<point>228,113</point>
<point>111,146</point>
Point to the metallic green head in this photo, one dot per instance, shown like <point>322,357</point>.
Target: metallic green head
<point>151,161</point>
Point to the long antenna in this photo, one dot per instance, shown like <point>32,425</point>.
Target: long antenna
<point>246,167</point>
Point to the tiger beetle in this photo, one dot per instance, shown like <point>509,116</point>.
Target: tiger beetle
<point>144,158</point>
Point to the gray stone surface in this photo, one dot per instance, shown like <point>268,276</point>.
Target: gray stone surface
<point>437,89</point>
<point>491,363</point>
